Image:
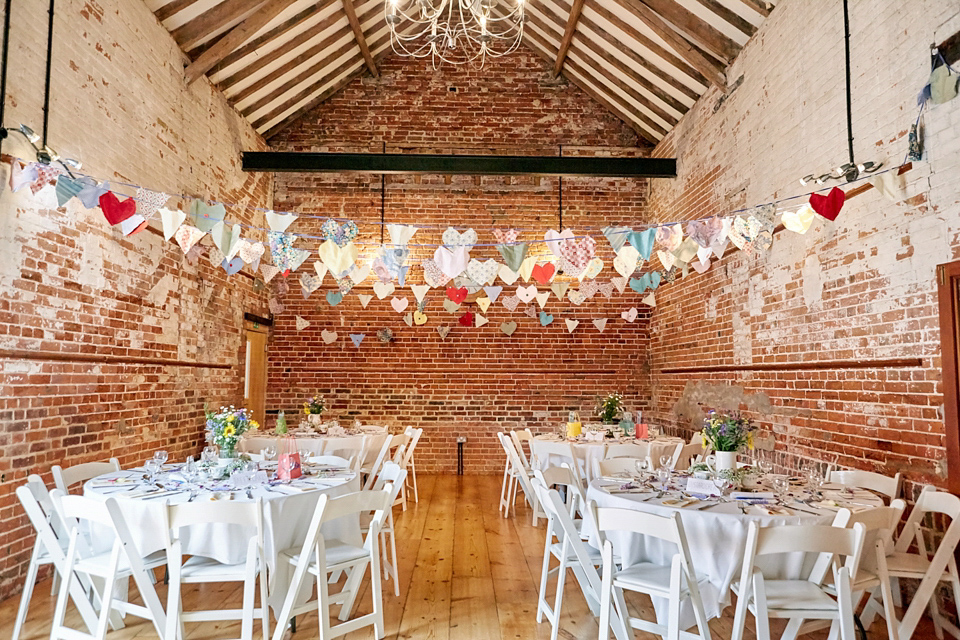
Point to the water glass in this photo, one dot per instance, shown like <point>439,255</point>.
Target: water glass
<point>209,454</point>
<point>781,485</point>
<point>723,484</point>
<point>642,467</point>
<point>152,467</point>
<point>304,454</point>
<point>765,466</point>
<point>663,475</point>
<point>665,461</point>
<point>161,457</point>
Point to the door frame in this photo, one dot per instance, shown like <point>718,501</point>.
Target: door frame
<point>948,295</point>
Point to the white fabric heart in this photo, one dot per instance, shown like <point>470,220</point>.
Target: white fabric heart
<point>666,259</point>
<point>798,221</point>
<point>600,324</point>
<point>560,289</point>
<point>626,261</point>
<point>451,238</point>
<point>650,300</point>
<point>419,290</point>
<point>171,220</point>
<point>400,234</point>
<point>302,324</point>
<point>508,275</point>
<point>328,337</point>
<point>526,294</point>
<point>359,274</point>
<point>542,298</point>
<point>483,272</point>
<point>451,263</point>
<point>630,314</point>
<point>555,239</point>
<point>279,221</point>
<point>484,304</point>
<point>480,320</point>
<point>619,283</point>
<point>399,304</point>
<point>338,259</point>
<point>383,289</point>
<point>364,299</point>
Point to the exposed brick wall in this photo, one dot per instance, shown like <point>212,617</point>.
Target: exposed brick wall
<point>71,285</point>
<point>860,288</point>
<point>477,381</point>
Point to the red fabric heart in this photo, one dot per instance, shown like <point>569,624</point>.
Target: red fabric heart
<point>115,211</point>
<point>543,272</point>
<point>829,205</point>
<point>466,320</point>
<point>457,295</point>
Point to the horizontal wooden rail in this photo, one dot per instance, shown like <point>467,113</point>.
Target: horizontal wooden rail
<point>801,366</point>
<point>93,358</point>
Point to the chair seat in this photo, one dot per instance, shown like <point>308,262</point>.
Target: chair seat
<point>338,552</point>
<point>99,564</point>
<point>909,565</point>
<point>200,569</point>
<point>557,548</point>
<point>646,577</point>
<point>797,595</point>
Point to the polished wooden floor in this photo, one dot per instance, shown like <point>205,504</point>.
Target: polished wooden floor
<point>466,573</point>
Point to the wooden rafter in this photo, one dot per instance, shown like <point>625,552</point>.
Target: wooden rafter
<point>358,34</point>
<point>568,32</point>
<point>711,70</point>
<point>760,6</point>
<point>235,37</point>
<point>693,28</point>
<point>173,8</point>
<point>192,33</point>
<point>731,17</point>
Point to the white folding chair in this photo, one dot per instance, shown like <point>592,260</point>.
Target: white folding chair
<point>178,519</point>
<point>374,470</point>
<point>799,599</point>
<point>516,475</point>
<point>627,450</point>
<point>393,474</point>
<point>412,466</point>
<point>319,557</point>
<point>572,553</point>
<point>331,461</point>
<point>676,582</point>
<point>697,438</point>
<point>519,438</point>
<point>546,453</point>
<point>407,460</point>
<point>351,448</point>
<point>685,455</point>
<point>564,476</point>
<point>930,571</point>
<point>616,467</point>
<point>123,560</point>
<point>63,479</point>
<point>890,487</point>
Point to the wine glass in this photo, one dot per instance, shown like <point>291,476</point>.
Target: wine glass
<point>723,483</point>
<point>814,479</point>
<point>161,457</point>
<point>666,460</point>
<point>766,466</point>
<point>642,467</point>
<point>663,475</point>
<point>781,485</point>
<point>209,455</point>
<point>304,454</point>
<point>269,453</point>
<point>152,467</point>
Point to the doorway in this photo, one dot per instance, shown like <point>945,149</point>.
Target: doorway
<point>255,371</point>
<point>948,292</point>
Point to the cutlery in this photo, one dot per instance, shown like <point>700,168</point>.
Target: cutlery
<point>796,508</point>
<point>249,494</point>
<point>162,494</point>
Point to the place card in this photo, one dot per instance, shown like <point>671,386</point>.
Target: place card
<point>702,487</point>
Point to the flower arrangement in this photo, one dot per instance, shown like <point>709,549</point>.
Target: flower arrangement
<point>225,427</point>
<point>609,406</point>
<point>314,406</point>
<point>727,432</point>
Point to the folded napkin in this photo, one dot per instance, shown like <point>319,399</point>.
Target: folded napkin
<point>836,505</point>
<point>111,482</point>
<point>774,510</point>
<point>293,488</point>
<point>679,503</point>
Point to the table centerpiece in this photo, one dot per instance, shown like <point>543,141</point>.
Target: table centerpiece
<point>727,434</point>
<point>226,427</point>
<point>313,410</point>
<point>609,407</point>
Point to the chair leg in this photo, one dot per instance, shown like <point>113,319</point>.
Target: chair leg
<point>558,598</point>
<point>352,587</point>
<point>377,592</point>
<point>544,574</point>
<point>27,592</point>
<point>249,600</point>
<point>394,565</point>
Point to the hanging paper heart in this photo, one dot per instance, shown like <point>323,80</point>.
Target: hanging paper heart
<point>46,174</point>
<point>466,319</point>
<point>399,304</point>
<point>493,292</point>
<point>90,194</point>
<point>68,188</point>
<point>829,205</point>
<point>450,306</point>
<point>508,275</point>
<point>578,252</point>
<point>686,251</point>
<point>505,237</point>
<point>511,302</point>
<point>526,268</point>
<point>704,232</point>
<point>276,308</point>
<point>626,261</point>
<point>318,266</point>
<point>508,328</point>
<point>616,236</point>
<point>530,311</point>
<point>642,241</point>
<point>747,228</point>
<point>481,320</point>
<point>451,262</point>
<point>444,332</point>
<point>419,317</point>
<point>215,256</point>
<point>302,324</point>
<point>666,259</point>
<point>400,234</point>
<point>383,289</point>
<point>357,338</point>
<point>559,289</point>
<point>204,216</point>
<point>798,221</point>
<point>619,283</point>
<point>134,224</point>
<point>281,287</point>
<point>344,285</point>
<point>334,298</point>
<point>148,202</point>
<point>589,289</point>
<point>432,274</point>
<point>21,175</point>
<point>719,245</point>
<point>594,267</point>
<point>309,284</point>
<point>542,298</point>
<point>763,241</point>
<point>606,289</point>
<point>340,234</point>
<point>171,221</point>
<point>640,284</point>
<point>543,273</point>
<point>328,337</point>
<point>576,297</point>
<point>268,271</point>
<point>650,300</point>
<point>703,254</point>
<point>358,274</point>
<point>364,299</point>
<point>483,272</point>
<point>600,324</point>
<point>187,236</point>
<point>408,319</point>
<point>116,211</point>
<point>736,237</point>
<point>700,266</point>
<point>654,279</point>
<point>555,240</point>
<point>526,294</point>
<point>484,304</point>
<point>513,254</point>
<point>279,221</point>
<point>451,238</point>
<point>571,324</point>
<point>457,295</point>
<point>670,236</point>
<point>337,259</point>
<point>891,184</point>
<point>545,318</point>
<point>630,314</point>
<point>226,238</point>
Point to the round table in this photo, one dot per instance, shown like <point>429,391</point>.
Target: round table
<point>318,442</point>
<point>589,450</point>
<point>286,518</point>
<point>716,537</point>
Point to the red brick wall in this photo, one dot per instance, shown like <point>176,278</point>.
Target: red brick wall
<point>477,381</point>
<point>76,295</point>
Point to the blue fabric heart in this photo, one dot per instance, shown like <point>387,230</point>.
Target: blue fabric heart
<point>357,338</point>
<point>640,284</point>
<point>334,298</point>
<point>642,241</point>
<point>233,266</point>
<point>68,188</point>
<point>545,318</point>
<point>654,279</point>
<point>90,194</point>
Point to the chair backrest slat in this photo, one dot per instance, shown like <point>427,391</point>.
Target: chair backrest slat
<point>886,485</point>
<point>63,479</point>
<point>614,466</point>
<point>640,451</point>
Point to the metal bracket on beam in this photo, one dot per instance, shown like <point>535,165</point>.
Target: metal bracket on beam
<point>395,163</point>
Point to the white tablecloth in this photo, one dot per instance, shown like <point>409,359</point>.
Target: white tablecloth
<point>285,522</point>
<point>317,442</point>
<point>716,538</point>
<point>587,452</point>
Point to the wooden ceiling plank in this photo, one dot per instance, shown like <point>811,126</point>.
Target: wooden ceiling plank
<point>695,29</point>
<point>358,34</point>
<point>235,37</point>
<point>568,32</point>
<point>760,6</point>
<point>731,17</point>
<point>192,33</point>
<point>173,8</point>
<point>312,52</point>
<point>710,69</point>
<point>592,71</point>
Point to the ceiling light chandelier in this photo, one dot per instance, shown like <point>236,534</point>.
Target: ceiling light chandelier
<point>454,31</point>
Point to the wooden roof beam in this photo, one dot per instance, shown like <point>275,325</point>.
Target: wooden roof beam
<point>710,69</point>
<point>192,33</point>
<point>236,37</point>
<point>760,6</point>
<point>691,26</point>
<point>571,28</point>
<point>730,17</point>
<point>358,34</point>
<point>173,8</point>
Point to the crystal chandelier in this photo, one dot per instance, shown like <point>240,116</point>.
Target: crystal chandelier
<point>454,31</point>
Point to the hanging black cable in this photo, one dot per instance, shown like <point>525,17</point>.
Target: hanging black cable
<point>383,192</point>
<point>46,84</point>
<point>560,198</point>
<point>3,67</point>
<point>846,44</point>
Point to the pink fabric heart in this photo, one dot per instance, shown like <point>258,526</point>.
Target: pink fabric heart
<point>399,304</point>
<point>506,237</point>
<point>555,240</point>
<point>578,252</point>
<point>526,294</point>
<point>452,263</point>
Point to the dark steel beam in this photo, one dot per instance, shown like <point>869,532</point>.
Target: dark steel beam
<point>288,161</point>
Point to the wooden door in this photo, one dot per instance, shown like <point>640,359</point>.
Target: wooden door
<point>255,376</point>
<point>948,291</point>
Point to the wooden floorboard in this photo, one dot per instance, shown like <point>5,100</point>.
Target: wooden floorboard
<point>466,573</point>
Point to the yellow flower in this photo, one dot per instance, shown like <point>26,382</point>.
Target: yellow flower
<point>231,418</point>
<point>750,440</point>
<point>229,431</point>
<point>254,425</point>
